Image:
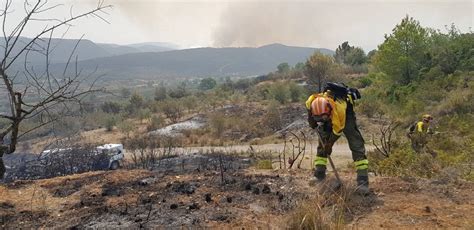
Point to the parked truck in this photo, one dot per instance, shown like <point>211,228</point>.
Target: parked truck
<point>115,152</point>
<point>63,161</point>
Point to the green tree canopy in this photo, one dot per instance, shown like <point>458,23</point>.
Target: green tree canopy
<point>283,67</point>
<point>299,66</point>
<point>318,68</point>
<point>370,54</point>
<point>403,52</point>
<point>356,56</point>
<point>207,84</point>
<point>350,55</point>
<point>342,51</point>
<point>452,51</point>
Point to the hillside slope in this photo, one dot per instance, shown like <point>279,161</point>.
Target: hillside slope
<point>61,49</point>
<point>200,62</point>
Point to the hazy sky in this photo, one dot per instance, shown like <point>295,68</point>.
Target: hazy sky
<point>197,23</point>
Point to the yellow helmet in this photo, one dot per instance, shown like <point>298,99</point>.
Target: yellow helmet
<point>427,117</point>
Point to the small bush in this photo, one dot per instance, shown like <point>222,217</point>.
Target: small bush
<point>155,123</point>
<point>371,107</point>
<point>365,82</point>
<point>172,109</point>
<point>264,164</point>
<point>279,92</point>
<point>111,107</point>
<point>110,122</point>
<point>144,115</point>
<point>297,92</point>
<point>405,162</point>
<point>218,124</point>
<point>125,127</point>
<point>272,117</point>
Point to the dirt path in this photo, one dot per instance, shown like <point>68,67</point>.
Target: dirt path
<point>341,153</point>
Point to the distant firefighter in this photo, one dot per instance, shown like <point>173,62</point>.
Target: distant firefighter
<point>419,134</point>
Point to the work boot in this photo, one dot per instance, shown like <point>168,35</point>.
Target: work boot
<point>362,184</point>
<point>320,173</point>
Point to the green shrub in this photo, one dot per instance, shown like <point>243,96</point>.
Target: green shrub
<point>264,164</point>
<point>273,117</point>
<point>125,127</point>
<point>155,123</point>
<point>172,109</point>
<point>207,84</point>
<point>218,124</point>
<point>296,92</point>
<point>404,162</point>
<point>144,114</point>
<point>364,82</point>
<point>110,122</point>
<point>279,92</point>
<point>371,107</point>
<point>111,107</point>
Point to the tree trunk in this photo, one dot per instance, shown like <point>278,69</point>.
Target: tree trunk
<point>3,150</point>
<point>14,137</point>
<point>16,122</point>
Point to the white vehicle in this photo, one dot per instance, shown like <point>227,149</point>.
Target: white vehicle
<point>115,152</point>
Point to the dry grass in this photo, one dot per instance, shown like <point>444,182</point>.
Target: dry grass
<point>330,209</point>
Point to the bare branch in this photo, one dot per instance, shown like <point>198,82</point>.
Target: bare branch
<point>385,142</point>
<point>37,127</point>
<point>72,53</point>
<point>100,8</point>
<point>54,96</point>
<point>6,117</point>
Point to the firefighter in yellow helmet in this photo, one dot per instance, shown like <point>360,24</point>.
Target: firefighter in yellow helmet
<point>419,133</point>
<point>331,113</point>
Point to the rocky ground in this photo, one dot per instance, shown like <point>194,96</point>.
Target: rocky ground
<point>237,196</point>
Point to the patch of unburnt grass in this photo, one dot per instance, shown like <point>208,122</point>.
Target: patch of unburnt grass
<point>332,209</point>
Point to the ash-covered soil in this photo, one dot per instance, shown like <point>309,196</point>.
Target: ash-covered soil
<point>235,197</point>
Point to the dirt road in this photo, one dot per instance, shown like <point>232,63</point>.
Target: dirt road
<point>341,153</point>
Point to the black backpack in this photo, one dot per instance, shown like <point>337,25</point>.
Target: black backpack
<point>340,91</point>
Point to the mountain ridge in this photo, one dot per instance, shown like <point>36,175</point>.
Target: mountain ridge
<point>201,62</point>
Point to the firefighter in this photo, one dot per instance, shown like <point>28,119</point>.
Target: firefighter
<point>419,133</point>
<point>332,114</point>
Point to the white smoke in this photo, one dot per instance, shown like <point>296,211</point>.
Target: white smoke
<point>317,23</point>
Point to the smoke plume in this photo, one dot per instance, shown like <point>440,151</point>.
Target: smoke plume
<point>327,23</point>
<point>317,23</point>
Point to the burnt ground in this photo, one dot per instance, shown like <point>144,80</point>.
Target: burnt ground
<point>246,198</point>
